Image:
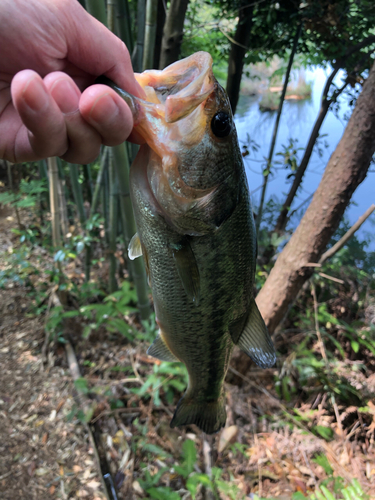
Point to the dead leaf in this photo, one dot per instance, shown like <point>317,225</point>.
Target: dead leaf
<point>44,438</point>
<point>41,471</point>
<point>227,437</point>
<point>137,488</point>
<point>52,490</point>
<point>60,405</point>
<point>93,484</point>
<point>31,468</point>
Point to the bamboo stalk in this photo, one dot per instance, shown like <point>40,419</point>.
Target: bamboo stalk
<point>10,182</point>
<point>97,9</point>
<point>99,181</point>
<point>77,193</point>
<point>111,4</point>
<point>54,201</point>
<point>105,202</point>
<point>113,223</point>
<point>43,174</point>
<point>137,56</point>
<point>122,23</point>
<point>88,181</point>
<point>150,34</point>
<point>137,266</point>
<point>63,195</point>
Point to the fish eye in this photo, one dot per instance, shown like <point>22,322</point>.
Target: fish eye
<point>221,124</point>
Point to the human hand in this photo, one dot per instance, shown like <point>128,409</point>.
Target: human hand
<point>52,51</point>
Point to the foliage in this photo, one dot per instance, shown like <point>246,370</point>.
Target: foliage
<point>192,479</point>
<point>171,377</point>
<point>28,196</point>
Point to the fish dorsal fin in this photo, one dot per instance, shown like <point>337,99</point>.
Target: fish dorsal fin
<point>159,349</point>
<point>135,247</point>
<point>187,269</point>
<point>255,339</point>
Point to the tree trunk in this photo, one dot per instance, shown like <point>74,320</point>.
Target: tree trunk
<point>345,170</point>
<point>173,32</point>
<point>238,51</point>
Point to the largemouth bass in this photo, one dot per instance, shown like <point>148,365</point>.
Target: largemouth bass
<point>196,233</point>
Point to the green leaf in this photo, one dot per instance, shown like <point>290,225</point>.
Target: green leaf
<point>80,246</point>
<point>319,495</point>
<point>81,385</point>
<point>327,493</point>
<point>87,331</point>
<point>153,448</point>
<point>347,495</point>
<point>163,493</point>
<point>189,455</point>
<point>298,496</point>
<point>325,432</point>
<point>195,479</point>
<point>357,486</point>
<point>59,256</point>
<point>355,346</point>
<point>28,202</point>
<point>322,460</point>
<point>70,314</point>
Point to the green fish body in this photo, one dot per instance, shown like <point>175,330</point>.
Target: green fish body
<point>196,233</point>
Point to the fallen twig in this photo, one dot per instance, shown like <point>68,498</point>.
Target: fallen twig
<point>74,370</point>
<point>324,355</point>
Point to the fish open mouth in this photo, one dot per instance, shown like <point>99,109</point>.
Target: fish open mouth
<point>180,88</point>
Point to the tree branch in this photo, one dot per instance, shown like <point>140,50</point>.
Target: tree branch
<point>337,246</point>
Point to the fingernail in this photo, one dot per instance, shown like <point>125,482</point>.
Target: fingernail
<point>66,95</point>
<point>35,95</point>
<point>104,110</point>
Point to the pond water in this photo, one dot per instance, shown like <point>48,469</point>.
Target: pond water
<point>296,122</point>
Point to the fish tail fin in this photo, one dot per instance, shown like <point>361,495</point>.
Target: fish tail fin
<point>210,417</point>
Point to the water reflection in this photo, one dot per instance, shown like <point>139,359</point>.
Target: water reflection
<point>296,122</point>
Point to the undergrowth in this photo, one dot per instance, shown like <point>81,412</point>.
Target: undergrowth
<point>326,356</point>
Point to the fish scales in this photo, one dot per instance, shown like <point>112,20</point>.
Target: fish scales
<point>196,233</point>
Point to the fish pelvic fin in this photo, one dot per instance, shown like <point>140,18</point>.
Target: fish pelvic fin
<point>159,350</point>
<point>210,417</point>
<point>135,247</point>
<point>255,340</point>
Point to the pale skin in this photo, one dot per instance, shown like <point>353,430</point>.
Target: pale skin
<point>51,51</point>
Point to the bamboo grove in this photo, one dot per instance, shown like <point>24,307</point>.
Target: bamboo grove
<point>153,31</point>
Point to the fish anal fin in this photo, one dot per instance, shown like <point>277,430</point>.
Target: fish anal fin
<point>188,271</point>
<point>210,416</point>
<point>159,350</point>
<point>255,339</point>
<point>135,247</point>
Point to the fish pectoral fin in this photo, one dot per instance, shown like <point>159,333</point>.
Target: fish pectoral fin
<point>159,349</point>
<point>255,339</point>
<point>188,271</point>
<point>209,416</point>
<point>135,247</point>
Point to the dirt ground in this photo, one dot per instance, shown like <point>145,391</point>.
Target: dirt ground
<point>42,455</point>
<point>46,452</point>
